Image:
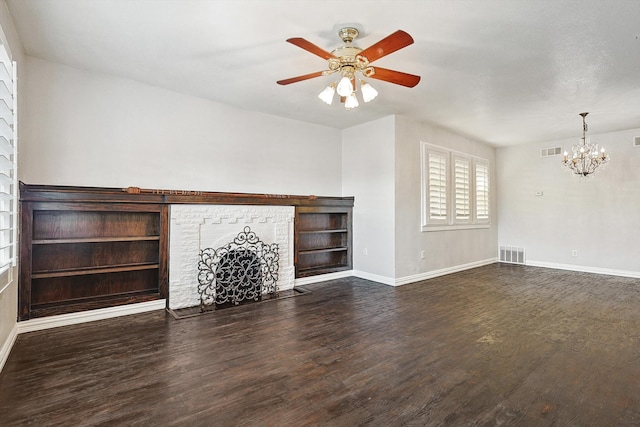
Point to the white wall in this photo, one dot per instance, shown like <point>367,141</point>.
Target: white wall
<point>597,216</point>
<point>9,296</point>
<point>381,168</point>
<point>444,250</point>
<point>84,128</point>
<point>368,173</point>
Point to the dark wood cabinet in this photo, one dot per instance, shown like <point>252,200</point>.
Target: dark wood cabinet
<point>77,256</point>
<point>322,240</point>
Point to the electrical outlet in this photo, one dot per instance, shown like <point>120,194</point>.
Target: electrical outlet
<point>574,253</point>
<point>422,254</point>
<point>365,251</point>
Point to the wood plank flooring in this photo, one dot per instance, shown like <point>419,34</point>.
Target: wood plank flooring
<point>496,345</point>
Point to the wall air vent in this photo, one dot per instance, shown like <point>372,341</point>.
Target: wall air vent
<point>636,141</point>
<point>511,254</point>
<point>553,151</point>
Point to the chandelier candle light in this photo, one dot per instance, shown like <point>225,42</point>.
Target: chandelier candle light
<point>585,157</point>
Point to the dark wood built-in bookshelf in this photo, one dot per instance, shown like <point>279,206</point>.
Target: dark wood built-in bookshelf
<point>322,240</point>
<point>78,256</point>
<point>83,248</point>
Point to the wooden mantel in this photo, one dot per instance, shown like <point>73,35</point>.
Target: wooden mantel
<point>54,193</point>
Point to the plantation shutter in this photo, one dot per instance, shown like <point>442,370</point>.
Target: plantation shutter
<point>8,173</point>
<point>462,189</point>
<point>455,190</point>
<point>482,192</point>
<point>437,187</point>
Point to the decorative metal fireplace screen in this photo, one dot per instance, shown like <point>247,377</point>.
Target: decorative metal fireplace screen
<point>239,272</point>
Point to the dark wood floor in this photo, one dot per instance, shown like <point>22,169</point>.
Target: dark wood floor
<point>496,345</point>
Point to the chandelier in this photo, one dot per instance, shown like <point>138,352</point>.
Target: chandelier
<point>585,157</point>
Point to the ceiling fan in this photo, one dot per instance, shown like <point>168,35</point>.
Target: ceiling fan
<point>350,60</point>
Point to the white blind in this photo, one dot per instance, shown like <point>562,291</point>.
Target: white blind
<point>462,191</point>
<point>437,186</point>
<point>482,192</point>
<point>8,173</point>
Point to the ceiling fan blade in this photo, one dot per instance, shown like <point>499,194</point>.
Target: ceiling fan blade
<point>299,78</point>
<point>389,44</point>
<point>397,77</point>
<point>310,47</point>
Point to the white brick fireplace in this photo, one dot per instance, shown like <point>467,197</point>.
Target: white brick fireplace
<point>197,227</point>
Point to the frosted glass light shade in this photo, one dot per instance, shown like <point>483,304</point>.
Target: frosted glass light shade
<point>327,94</point>
<point>368,92</point>
<point>345,88</point>
<point>351,102</point>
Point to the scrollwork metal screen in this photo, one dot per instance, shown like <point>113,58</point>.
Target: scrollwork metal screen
<point>238,272</point>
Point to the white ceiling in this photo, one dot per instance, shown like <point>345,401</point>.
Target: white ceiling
<point>501,71</point>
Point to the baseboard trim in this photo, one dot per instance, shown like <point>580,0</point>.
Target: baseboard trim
<point>323,277</point>
<point>88,316</point>
<point>443,271</point>
<point>585,269</point>
<point>374,277</point>
<point>8,345</point>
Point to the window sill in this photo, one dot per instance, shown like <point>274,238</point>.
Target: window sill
<point>448,227</point>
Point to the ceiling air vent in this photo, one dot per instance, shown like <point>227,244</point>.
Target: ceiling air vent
<point>511,254</point>
<point>553,151</point>
<point>636,141</point>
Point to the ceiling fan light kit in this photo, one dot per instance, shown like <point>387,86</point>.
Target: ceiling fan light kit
<point>350,62</point>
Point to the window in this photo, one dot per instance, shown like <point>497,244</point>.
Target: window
<point>455,196</point>
<point>8,175</point>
